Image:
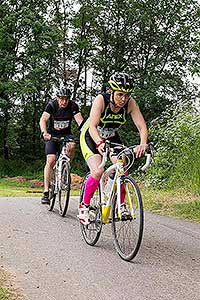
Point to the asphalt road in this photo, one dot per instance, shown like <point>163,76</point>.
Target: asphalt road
<point>50,261</point>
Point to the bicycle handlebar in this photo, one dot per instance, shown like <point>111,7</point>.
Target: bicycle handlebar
<point>128,150</point>
<point>105,154</point>
<point>64,139</point>
<point>148,162</point>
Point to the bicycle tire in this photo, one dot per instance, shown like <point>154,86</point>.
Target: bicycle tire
<point>64,192</point>
<point>52,194</point>
<point>128,230</point>
<point>92,231</point>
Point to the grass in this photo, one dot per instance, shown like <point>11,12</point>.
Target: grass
<point>5,294</point>
<point>178,203</point>
<point>17,189</point>
<point>12,188</point>
<point>7,289</point>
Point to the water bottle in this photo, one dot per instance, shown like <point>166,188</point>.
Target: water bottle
<point>108,187</point>
<point>106,199</point>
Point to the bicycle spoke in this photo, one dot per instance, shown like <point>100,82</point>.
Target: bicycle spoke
<point>128,229</point>
<point>64,191</point>
<point>52,195</point>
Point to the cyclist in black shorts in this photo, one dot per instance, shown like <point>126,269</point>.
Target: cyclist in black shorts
<point>58,114</point>
<point>108,113</point>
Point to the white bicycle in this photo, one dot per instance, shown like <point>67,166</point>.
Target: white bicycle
<point>61,180</point>
<point>124,213</point>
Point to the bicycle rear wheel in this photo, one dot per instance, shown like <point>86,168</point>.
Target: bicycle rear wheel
<point>52,194</point>
<point>92,231</point>
<point>128,229</point>
<point>64,192</point>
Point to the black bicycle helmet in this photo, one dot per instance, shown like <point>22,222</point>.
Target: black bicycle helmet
<point>64,92</point>
<point>121,82</point>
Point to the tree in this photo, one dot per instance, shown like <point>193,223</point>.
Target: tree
<point>152,40</point>
<point>29,57</point>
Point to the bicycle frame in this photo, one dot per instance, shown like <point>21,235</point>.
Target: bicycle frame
<point>119,172</point>
<point>62,158</point>
<point>118,167</point>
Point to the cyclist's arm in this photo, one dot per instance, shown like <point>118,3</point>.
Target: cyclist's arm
<point>95,114</point>
<point>43,125</point>
<point>140,123</point>
<point>78,118</point>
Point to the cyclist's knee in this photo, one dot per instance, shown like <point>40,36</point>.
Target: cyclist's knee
<point>50,161</point>
<point>97,173</point>
<point>70,149</point>
<point>71,146</point>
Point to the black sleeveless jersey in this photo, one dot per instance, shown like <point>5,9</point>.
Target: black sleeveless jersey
<point>61,118</point>
<point>110,122</point>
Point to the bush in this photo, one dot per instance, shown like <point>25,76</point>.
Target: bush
<point>20,168</point>
<point>177,160</point>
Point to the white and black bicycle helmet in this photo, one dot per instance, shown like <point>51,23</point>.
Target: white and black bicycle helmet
<point>64,92</point>
<point>121,82</point>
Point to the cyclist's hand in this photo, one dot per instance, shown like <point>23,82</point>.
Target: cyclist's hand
<point>46,136</point>
<point>101,148</point>
<point>139,150</point>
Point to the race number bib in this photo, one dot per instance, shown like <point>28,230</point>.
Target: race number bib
<point>60,124</point>
<point>106,132</point>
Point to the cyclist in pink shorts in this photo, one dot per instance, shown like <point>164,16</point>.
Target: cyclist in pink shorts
<point>108,113</point>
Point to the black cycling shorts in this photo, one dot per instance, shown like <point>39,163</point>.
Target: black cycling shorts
<point>88,145</point>
<point>53,147</point>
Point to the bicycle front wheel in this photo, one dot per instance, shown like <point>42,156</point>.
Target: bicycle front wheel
<point>52,194</point>
<point>127,228</point>
<point>64,192</point>
<point>92,231</point>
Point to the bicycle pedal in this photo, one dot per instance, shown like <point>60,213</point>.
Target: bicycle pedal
<point>92,213</point>
<point>126,218</point>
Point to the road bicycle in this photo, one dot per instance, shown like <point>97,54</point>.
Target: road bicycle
<point>121,205</point>
<point>60,177</point>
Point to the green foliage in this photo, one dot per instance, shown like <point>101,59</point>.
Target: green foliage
<point>3,103</point>
<point>33,169</point>
<point>150,39</point>
<point>177,160</point>
<point>42,42</point>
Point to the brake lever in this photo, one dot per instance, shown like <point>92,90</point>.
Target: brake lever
<point>149,157</point>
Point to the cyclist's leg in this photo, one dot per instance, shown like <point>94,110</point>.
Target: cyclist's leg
<point>70,147</point>
<point>51,149</point>
<point>50,162</point>
<point>93,159</point>
<point>122,190</point>
<point>93,180</point>
<point>117,140</point>
<point>91,230</point>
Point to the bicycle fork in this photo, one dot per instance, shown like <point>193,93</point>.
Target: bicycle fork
<point>119,182</point>
<point>58,170</point>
